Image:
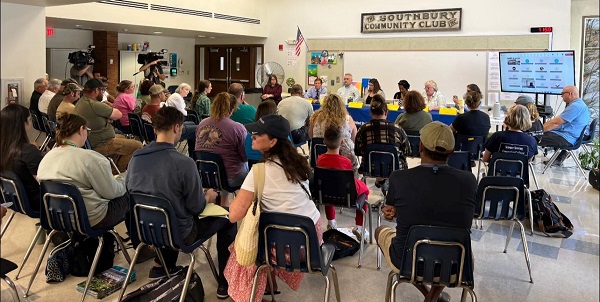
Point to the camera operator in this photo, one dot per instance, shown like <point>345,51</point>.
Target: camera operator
<point>83,73</point>
<point>153,71</point>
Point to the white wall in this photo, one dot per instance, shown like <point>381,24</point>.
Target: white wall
<point>184,47</point>
<point>70,38</point>
<point>334,19</point>
<point>23,40</point>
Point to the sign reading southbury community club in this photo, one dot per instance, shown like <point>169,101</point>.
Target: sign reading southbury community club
<point>416,20</point>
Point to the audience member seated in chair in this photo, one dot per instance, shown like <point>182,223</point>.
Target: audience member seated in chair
<point>17,154</point>
<point>297,111</point>
<point>380,131</point>
<point>219,134</point>
<point>334,112</point>
<point>158,95</point>
<point>102,134</point>
<point>564,130</point>
<point>160,170</point>
<point>473,122</point>
<point>513,140</point>
<point>264,108</point>
<point>285,191</point>
<point>451,204</point>
<point>333,160</point>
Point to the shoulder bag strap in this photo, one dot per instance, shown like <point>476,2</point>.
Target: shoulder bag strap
<point>259,184</point>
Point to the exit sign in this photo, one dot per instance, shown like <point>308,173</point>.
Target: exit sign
<point>49,32</point>
<point>543,29</point>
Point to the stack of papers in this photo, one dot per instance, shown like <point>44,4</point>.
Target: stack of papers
<point>213,210</point>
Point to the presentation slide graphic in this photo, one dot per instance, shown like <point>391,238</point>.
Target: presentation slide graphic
<point>537,71</point>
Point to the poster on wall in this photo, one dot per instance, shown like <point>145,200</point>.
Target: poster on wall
<point>332,59</point>
<point>315,57</point>
<point>312,73</point>
<point>493,72</point>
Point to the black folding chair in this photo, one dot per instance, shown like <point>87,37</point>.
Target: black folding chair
<point>137,126</point>
<point>502,198</point>
<point>14,191</point>
<point>471,144</point>
<point>435,255</point>
<point>414,137</point>
<point>212,172</point>
<point>570,150</point>
<point>157,226</point>
<point>317,147</point>
<point>333,187</point>
<point>290,242</point>
<point>149,134</point>
<point>63,210</point>
<point>460,160</point>
<point>6,267</point>
<point>193,116</point>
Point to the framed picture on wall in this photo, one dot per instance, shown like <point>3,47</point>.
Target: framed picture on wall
<point>12,91</point>
<point>590,63</point>
<point>312,73</point>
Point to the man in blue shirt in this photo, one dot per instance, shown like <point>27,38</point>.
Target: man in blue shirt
<point>564,130</point>
<point>315,92</point>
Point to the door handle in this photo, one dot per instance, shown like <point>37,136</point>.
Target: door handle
<point>214,79</point>
<point>241,81</point>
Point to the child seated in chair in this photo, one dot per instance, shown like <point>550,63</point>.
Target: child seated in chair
<point>332,137</point>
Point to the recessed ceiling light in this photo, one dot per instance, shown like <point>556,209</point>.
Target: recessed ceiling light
<point>201,36</point>
<point>77,25</point>
<point>211,37</point>
<point>125,29</point>
<point>158,32</point>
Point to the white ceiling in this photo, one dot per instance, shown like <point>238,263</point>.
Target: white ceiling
<point>47,2</point>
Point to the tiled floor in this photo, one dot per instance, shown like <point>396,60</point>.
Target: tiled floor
<point>563,269</point>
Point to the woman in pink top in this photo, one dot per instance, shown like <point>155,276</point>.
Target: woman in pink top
<point>125,102</point>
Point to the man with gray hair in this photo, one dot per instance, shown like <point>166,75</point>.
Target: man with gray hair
<point>39,86</point>
<point>348,92</point>
<point>53,88</point>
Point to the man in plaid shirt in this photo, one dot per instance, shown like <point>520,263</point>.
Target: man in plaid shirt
<point>381,131</point>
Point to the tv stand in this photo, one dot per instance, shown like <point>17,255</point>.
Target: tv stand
<point>544,110</point>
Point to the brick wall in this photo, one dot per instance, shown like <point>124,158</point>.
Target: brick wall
<point>107,49</point>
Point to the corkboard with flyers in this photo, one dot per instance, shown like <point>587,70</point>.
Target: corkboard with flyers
<point>328,65</point>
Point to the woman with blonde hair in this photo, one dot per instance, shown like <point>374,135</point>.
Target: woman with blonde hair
<point>537,128</point>
<point>220,135</point>
<point>176,99</point>
<point>513,139</point>
<point>334,112</point>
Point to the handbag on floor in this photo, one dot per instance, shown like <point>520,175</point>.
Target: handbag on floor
<point>246,239</point>
<point>168,289</point>
<point>344,245</point>
<point>547,217</point>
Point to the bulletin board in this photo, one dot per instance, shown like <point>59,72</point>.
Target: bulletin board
<point>329,68</point>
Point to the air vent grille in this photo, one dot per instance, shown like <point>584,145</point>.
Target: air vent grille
<point>177,10</point>
<point>171,9</point>
<point>126,3</point>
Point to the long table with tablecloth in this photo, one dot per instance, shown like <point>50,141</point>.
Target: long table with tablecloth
<point>363,115</point>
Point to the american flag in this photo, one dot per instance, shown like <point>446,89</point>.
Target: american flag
<point>299,40</point>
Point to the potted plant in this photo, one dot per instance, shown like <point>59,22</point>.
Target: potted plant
<point>590,160</point>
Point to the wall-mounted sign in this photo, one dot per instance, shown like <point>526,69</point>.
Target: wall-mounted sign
<point>416,20</point>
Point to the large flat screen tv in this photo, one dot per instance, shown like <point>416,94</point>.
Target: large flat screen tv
<point>544,72</point>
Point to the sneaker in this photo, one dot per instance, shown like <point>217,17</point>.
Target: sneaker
<point>222,291</point>
<point>358,234</point>
<point>159,272</point>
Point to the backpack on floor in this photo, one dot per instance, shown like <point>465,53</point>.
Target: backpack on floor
<point>84,252</point>
<point>168,289</point>
<point>547,217</point>
<point>344,244</point>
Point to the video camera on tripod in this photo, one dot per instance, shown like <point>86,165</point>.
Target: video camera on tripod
<point>81,58</point>
<point>145,58</point>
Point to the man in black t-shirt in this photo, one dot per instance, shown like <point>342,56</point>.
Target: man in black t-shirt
<point>430,194</point>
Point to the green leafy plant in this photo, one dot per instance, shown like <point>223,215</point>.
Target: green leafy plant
<point>590,158</point>
<point>290,82</point>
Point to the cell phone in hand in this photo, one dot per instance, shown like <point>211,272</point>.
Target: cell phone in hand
<point>6,204</point>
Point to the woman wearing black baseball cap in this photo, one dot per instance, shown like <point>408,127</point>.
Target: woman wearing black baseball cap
<point>285,190</point>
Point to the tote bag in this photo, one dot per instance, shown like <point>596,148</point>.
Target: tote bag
<point>246,240</point>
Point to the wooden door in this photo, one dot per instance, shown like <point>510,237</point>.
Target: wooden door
<point>229,64</point>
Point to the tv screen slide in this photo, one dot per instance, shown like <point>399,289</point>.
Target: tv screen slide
<point>545,72</point>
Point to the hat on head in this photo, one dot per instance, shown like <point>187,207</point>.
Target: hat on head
<point>524,100</point>
<point>67,81</point>
<point>437,137</point>
<point>272,124</point>
<point>156,89</point>
<point>71,87</point>
<point>93,84</point>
